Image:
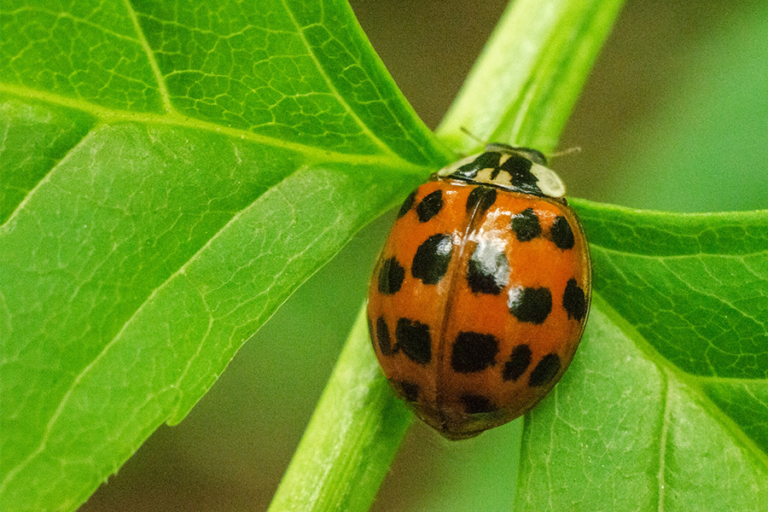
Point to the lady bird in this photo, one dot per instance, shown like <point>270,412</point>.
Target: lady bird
<point>481,293</point>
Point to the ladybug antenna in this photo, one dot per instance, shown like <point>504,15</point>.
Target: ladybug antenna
<point>570,151</point>
<point>473,136</point>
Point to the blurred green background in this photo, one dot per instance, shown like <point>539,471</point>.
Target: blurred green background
<point>674,117</point>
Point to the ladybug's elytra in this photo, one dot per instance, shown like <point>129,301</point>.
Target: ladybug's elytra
<point>481,293</point>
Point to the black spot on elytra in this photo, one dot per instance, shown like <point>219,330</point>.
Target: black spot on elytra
<point>382,333</point>
<point>531,305</point>
<point>561,233</point>
<point>518,362</point>
<point>391,275</point>
<point>476,404</point>
<point>430,206</point>
<point>473,352</point>
<point>482,198</point>
<point>432,258</point>
<point>487,160</point>
<point>526,225</point>
<point>407,204</point>
<point>519,169</point>
<point>409,390</point>
<point>574,300</point>
<point>414,340</point>
<point>488,268</point>
<point>545,371</point>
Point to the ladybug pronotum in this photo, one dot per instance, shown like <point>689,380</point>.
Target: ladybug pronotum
<point>481,293</point>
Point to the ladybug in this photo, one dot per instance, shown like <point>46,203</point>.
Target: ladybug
<point>481,293</point>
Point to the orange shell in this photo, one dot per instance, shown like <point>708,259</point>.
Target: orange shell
<point>466,331</point>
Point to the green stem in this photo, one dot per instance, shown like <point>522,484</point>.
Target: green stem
<point>352,438</point>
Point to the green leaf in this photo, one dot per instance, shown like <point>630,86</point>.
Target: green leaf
<point>171,174</point>
<point>694,286</point>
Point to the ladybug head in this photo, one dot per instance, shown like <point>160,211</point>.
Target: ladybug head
<point>516,169</point>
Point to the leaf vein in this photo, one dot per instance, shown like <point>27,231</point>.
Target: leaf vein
<point>161,86</point>
<point>44,180</point>
<point>61,15</point>
<point>300,32</point>
<point>318,154</point>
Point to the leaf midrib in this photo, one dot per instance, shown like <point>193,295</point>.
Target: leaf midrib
<point>107,115</point>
